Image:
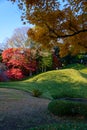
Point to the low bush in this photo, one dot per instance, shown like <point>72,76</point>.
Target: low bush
<point>36,92</point>
<point>68,108</point>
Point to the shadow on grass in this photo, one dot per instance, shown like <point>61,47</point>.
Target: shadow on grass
<point>84,75</point>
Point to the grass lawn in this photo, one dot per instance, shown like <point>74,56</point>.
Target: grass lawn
<point>71,82</point>
<point>69,125</point>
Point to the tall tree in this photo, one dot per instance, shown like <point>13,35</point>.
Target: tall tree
<point>45,62</point>
<point>18,58</point>
<point>54,21</point>
<point>18,39</point>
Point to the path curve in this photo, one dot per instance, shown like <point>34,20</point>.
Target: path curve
<point>20,111</point>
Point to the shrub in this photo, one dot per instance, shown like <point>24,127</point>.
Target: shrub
<point>14,74</point>
<point>36,92</point>
<point>68,108</point>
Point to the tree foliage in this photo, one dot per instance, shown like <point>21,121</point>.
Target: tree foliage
<point>16,59</point>
<point>45,62</point>
<point>54,19</point>
<point>14,74</point>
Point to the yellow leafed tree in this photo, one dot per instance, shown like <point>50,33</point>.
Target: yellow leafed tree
<point>54,20</point>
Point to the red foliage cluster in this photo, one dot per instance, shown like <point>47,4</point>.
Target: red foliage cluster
<point>19,62</point>
<point>15,73</point>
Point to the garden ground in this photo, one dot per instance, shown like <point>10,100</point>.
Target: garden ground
<point>19,110</point>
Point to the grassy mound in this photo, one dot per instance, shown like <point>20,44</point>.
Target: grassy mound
<point>59,83</point>
<point>68,108</point>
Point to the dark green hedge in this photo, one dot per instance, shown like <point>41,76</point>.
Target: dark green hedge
<point>68,108</point>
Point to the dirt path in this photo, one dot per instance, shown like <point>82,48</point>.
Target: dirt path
<point>19,110</point>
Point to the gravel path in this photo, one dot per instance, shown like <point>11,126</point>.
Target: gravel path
<point>20,111</point>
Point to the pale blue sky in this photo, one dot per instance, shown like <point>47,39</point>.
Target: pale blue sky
<point>9,19</point>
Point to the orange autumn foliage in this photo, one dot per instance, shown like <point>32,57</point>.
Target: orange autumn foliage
<point>53,20</point>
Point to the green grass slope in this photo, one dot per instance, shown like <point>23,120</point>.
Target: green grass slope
<point>59,83</point>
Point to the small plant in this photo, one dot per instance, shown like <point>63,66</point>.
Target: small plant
<point>55,96</point>
<point>36,92</point>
